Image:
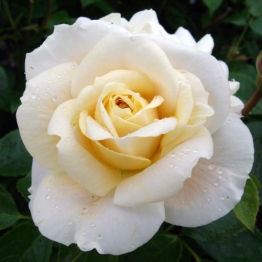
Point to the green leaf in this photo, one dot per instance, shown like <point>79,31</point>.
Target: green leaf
<point>212,5</point>
<point>220,229</point>
<point>14,158</point>
<point>101,4</point>
<point>254,7</point>
<point>256,181</point>
<point>245,247</point>
<point>24,244</point>
<point>246,210</point>
<point>8,211</point>
<point>70,253</point>
<point>22,186</point>
<point>238,19</point>
<point>4,91</point>
<point>246,75</point>
<point>162,247</point>
<point>256,25</point>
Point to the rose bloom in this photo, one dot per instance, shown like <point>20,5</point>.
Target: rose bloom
<point>130,126</point>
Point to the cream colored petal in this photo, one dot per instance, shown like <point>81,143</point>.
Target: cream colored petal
<point>234,86</point>
<point>122,51</point>
<point>120,160</point>
<point>66,213</point>
<point>205,44</point>
<point>166,177</point>
<point>77,156</point>
<point>217,185</point>
<point>148,136</point>
<point>42,95</point>
<point>68,43</point>
<point>207,69</point>
<point>236,105</point>
<point>185,37</point>
<point>136,81</point>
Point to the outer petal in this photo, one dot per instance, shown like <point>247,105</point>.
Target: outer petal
<point>208,70</point>
<point>68,43</point>
<point>185,37</point>
<point>166,177</point>
<point>77,156</point>
<point>41,97</point>
<point>120,51</point>
<point>141,18</point>
<point>217,185</point>
<point>205,44</point>
<point>67,213</point>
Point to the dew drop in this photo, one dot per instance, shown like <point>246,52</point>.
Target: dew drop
<point>64,72</point>
<point>33,96</point>
<point>47,196</point>
<point>223,197</point>
<point>219,209</point>
<point>212,167</point>
<point>99,236</point>
<point>233,165</point>
<point>173,155</point>
<point>172,165</point>
<point>205,190</point>
<point>195,150</point>
<point>84,211</point>
<point>56,206</point>
<point>46,94</point>
<point>183,202</point>
<point>216,183</point>
<point>208,199</point>
<point>92,225</point>
<point>69,222</point>
<point>58,75</point>
<point>54,98</point>
<point>220,171</point>
<point>47,189</point>
<point>133,246</point>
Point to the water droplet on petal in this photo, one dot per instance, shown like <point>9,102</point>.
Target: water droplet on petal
<point>33,96</point>
<point>69,222</point>
<point>58,75</point>
<point>223,197</point>
<point>233,165</point>
<point>172,165</point>
<point>219,209</point>
<point>54,98</point>
<point>212,167</point>
<point>216,183</point>
<point>205,190</point>
<point>220,171</point>
<point>84,211</point>
<point>133,246</point>
<point>208,199</point>
<point>99,236</point>
<point>47,196</point>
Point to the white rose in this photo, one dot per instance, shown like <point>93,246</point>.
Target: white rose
<point>129,127</point>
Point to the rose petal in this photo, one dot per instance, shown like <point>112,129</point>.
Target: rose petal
<point>111,54</point>
<point>67,43</point>
<point>185,37</point>
<point>40,99</point>
<point>207,69</point>
<point>143,17</point>
<point>216,186</point>
<point>67,213</point>
<point>120,160</point>
<point>205,44</point>
<point>166,177</point>
<point>77,156</point>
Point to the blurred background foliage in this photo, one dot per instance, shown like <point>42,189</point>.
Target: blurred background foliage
<point>236,27</point>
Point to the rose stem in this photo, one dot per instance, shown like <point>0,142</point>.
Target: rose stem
<point>251,103</point>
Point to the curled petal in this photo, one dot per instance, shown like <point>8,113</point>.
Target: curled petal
<point>65,212</point>
<point>217,185</point>
<point>166,177</point>
<point>42,95</point>
<point>77,156</point>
